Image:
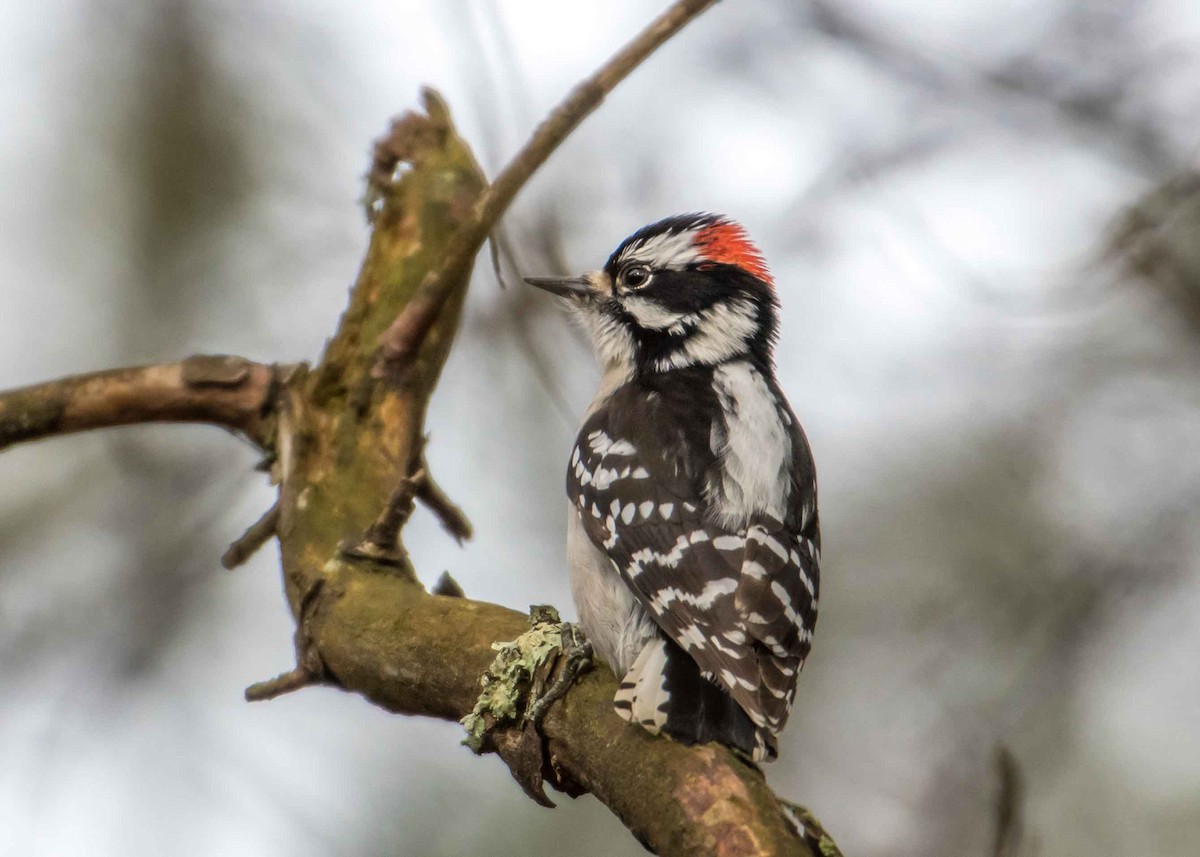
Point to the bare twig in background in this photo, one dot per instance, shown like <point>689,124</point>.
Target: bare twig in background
<point>1155,239</point>
<point>1009,805</point>
<point>402,340</point>
<point>547,234</point>
<point>1028,89</point>
<point>494,254</point>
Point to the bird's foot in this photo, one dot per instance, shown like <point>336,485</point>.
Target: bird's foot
<point>578,653</point>
<point>520,671</point>
<point>508,714</point>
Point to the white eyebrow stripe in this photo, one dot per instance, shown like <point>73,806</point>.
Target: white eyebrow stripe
<point>669,250</point>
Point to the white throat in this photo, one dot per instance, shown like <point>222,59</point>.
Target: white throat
<point>614,349</point>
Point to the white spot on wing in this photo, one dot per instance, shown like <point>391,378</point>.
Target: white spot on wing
<point>776,548</point>
<point>727,543</point>
<point>622,447</point>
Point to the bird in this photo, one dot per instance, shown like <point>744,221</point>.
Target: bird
<point>693,541</point>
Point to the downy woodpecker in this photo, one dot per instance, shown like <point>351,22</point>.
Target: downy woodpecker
<point>693,543</point>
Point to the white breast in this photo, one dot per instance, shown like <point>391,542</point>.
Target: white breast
<point>609,613</point>
<point>755,451</point>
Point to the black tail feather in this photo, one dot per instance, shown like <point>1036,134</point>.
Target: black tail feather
<point>699,711</point>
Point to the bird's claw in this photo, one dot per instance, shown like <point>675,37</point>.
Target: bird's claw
<point>578,652</point>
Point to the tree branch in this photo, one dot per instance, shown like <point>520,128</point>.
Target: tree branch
<point>415,653</point>
<point>231,392</point>
<point>402,340</point>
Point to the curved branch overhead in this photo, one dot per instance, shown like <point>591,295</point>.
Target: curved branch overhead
<point>347,442</point>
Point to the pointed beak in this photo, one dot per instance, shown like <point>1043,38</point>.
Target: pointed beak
<point>564,287</point>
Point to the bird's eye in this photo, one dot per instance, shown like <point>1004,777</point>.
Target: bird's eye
<point>637,276</point>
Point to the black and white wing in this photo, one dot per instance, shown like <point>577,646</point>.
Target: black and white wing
<point>740,603</point>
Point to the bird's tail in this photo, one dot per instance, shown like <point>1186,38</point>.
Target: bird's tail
<point>664,691</point>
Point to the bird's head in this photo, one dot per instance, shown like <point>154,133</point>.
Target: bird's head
<point>685,291</point>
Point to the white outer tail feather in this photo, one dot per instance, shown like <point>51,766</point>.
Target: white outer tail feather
<point>642,694</point>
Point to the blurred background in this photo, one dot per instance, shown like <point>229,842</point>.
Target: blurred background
<point>986,229</point>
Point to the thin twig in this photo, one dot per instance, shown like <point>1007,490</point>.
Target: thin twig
<point>292,680</point>
<point>1009,805</point>
<point>381,542</point>
<point>403,338</point>
<point>310,668</point>
<point>453,519</point>
<point>494,241</point>
<point>227,391</point>
<point>548,235</point>
<point>256,535</point>
<point>1022,89</point>
<point>540,365</point>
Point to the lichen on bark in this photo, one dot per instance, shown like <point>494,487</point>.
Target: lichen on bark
<point>508,681</point>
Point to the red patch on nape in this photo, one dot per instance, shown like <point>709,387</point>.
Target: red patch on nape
<point>727,243</point>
